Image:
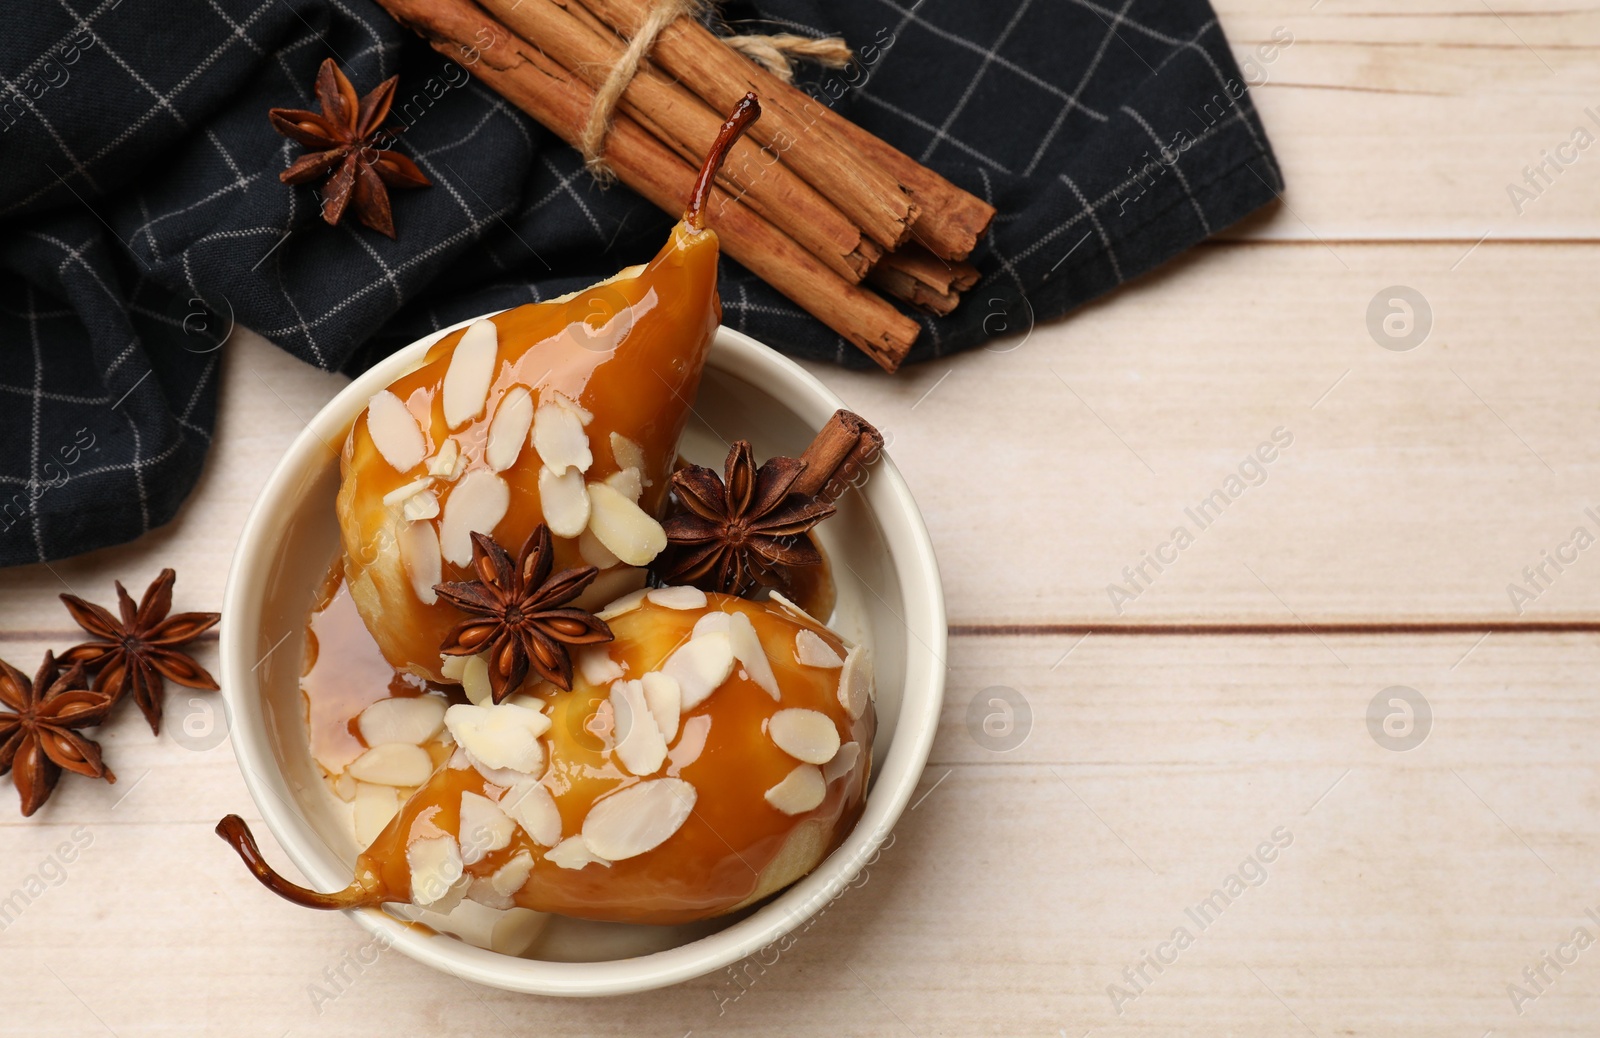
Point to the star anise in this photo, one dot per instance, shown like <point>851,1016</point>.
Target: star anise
<point>137,652</point>
<point>39,737</point>
<point>740,529</point>
<point>516,616</point>
<point>351,149</point>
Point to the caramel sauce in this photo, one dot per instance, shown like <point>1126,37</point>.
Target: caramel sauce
<point>629,351</point>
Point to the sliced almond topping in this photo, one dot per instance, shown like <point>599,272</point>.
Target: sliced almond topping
<point>630,532</point>
<point>638,818</point>
<point>393,764</point>
<point>692,743</point>
<point>484,828</point>
<point>475,505</point>
<point>700,666</point>
<point>419,554</point>
<point>411,720</point>
<point>842,762</point>
<point>585,416</point>
<point>640,745</point>
<point>565,502</point>
<point>447,463</point>
<point>394,432</point>
<point>593,552</point>
<point>466,381</point>
<point>505,778</point>
<point>773,596</point>
<point>665,699</point>
<point>375,806</point>
<point>747,649</point>
<point>531,804</point>
<point>684,597</point>
<point>628,483</point>
<point>401,494</point>
<point>626,453</point>
<point>855,682</point>
<point>502,736</point>
<point>713,623</point>
<point>481,889</point>
<point>807,735</point>
<point>435,863</point>
<point>344,787</point>
<point>450,666</point>
<point>800,791</point>
<point>574,853</point>
<point>559,438</point>
<point>424,505</point>
<point>811,650</point>
<point>626,604</point>
<point>513,875</point>
<point>596,665</point>
<point>475,680</point>
<point>508,430</point>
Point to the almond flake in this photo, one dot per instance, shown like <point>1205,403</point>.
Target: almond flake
<point>855,682</point>
<point>475,680</point>
<point>800,791</point>
<point>574,853</point>
<point>684,597</point>
<point>505,778</point>
<point>626,604</point>
<point>628,483</point>
<point>421,506</point>
<point>393,764</point>
<point>394,431</point>
<point>475,505</point>
<point>420,556</point>
<point>411,720</point>
<point>748,650</point>
<point>375,807</point>
<point>466,381</point>
<point>501,736</point>
<point>450,667</point>
<point>531,804</point>
<point>484,828</point>
<point>399,495</point>
<point>806,735</point>
<point>713,623</point>
<point>638,818</point>
<point>665,699</point>
<point>593,552</point>
<point>812,651</point>
<point>626,453</point>
<point>435,864</point>
<point>559,438</point>
<point>639,746</point>
<point>692,743</point>
<point>773,596</point>
<point>344,787</point>
<point>508,430</point>
<point>596,665</point>
<point>700,666</point>
<point>481,890</point>
<point>447,463</point>
<point>564,501</point>
<point>585,416</point>
<point>842,762</point>
<point>630,532</point>
<point>513,875</point>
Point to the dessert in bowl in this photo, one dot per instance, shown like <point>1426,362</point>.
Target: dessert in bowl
<point>450,679</point>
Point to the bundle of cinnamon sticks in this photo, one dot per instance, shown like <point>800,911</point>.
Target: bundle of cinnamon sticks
<point>813,204</point>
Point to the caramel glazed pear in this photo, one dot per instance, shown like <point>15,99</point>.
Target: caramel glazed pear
<point>674,756</point>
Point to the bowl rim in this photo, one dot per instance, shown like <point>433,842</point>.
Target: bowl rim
<point>897,775</point>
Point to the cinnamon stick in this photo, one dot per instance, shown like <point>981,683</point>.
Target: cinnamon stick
<point>872,198</point>
<point>949,221</point>
<point>922,279</point>
<point>684,123</point>
<point>529,79</point>
<point>897,284</point>
<point>838,456</point>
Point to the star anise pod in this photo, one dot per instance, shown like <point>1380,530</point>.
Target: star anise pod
<point>740,529</point>
<point>39,736</point>
<point>351,149</point>
<point>137,652</point>
<point>516,616</point>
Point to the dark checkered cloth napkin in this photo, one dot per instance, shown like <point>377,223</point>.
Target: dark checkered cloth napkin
<point>141,213</point>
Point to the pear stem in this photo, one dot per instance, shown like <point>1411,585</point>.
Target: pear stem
<point>237,835</point>
<point>746,112</point>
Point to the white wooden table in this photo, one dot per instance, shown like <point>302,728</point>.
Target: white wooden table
<point>1221,706</point>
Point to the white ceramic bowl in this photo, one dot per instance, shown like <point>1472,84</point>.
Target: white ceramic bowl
<point>889,599</point>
